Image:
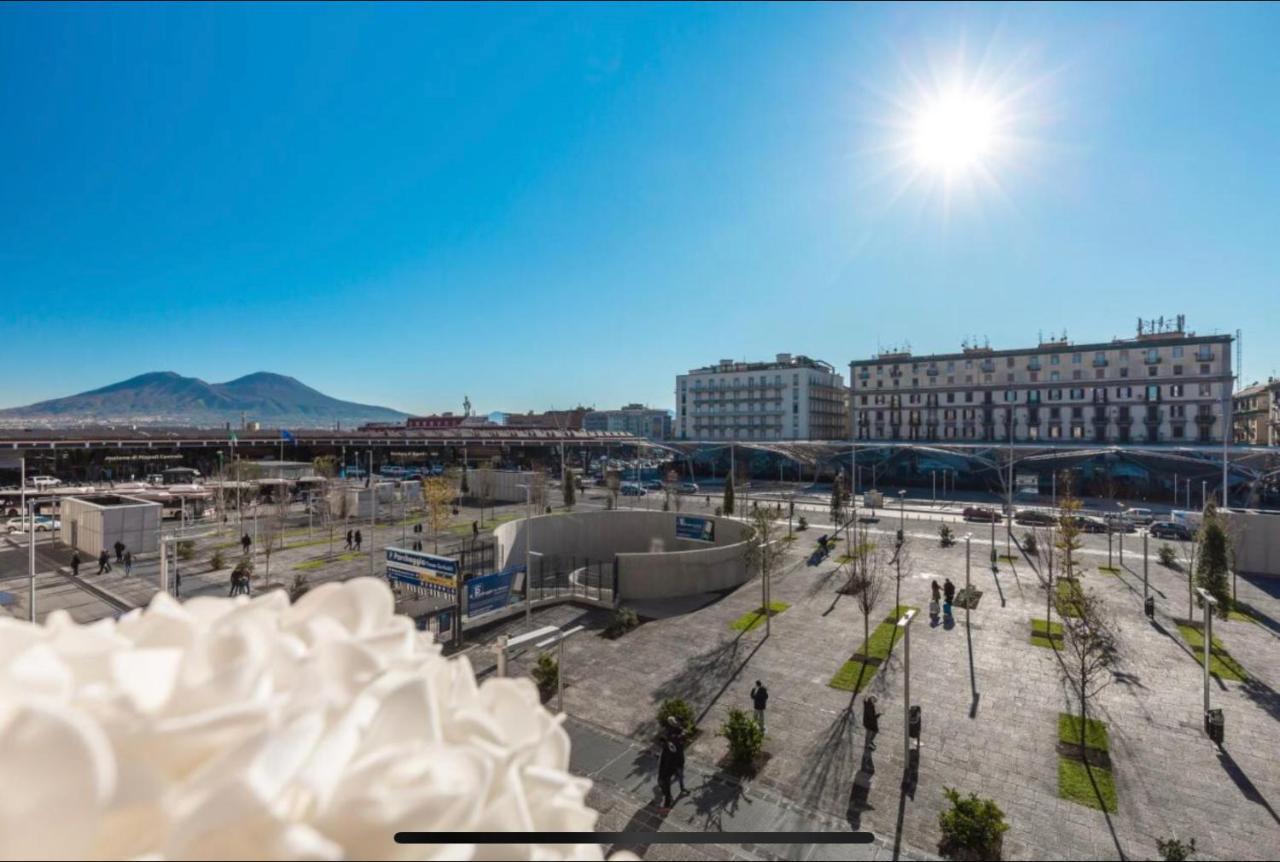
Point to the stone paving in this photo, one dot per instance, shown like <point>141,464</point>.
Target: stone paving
<point>990,701</point>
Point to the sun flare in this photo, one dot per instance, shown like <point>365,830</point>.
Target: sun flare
<point>955,131</point>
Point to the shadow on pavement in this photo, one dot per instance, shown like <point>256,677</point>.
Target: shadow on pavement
<point>705,677</point>
<point>1242,781</point>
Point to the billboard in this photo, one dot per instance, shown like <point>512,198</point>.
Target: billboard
<point>697,529</point>
<point>490,592</point>
<point>434,574</point>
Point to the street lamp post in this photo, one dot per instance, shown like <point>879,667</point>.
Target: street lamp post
<point>1145,533</point>
<point>967,538</point>
<point>902,516</point>
<point>31,557</point>
<point>1208,603</point>
<point>373,511</point>
<point>933,477</point>
<point>905,625</point>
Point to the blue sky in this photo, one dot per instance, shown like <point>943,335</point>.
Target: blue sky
<point>546,205</point>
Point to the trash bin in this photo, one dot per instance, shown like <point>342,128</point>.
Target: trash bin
<point>913,723</point>
<point>1214,725</point>
<point>1149,606</point>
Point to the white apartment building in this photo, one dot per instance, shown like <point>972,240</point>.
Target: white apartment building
<point>791,398</point>
<point>634,419</point>
<point>1163,386</point>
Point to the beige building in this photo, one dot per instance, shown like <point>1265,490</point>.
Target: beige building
<point>791,398</point>
<point>1165,385</point>
<point>1257,414</point>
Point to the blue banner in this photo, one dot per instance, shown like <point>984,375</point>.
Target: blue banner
<point>490,592</point>
<point>421,560</point>
<point>697,529</point>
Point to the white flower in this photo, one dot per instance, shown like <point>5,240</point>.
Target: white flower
<point>252,728</point>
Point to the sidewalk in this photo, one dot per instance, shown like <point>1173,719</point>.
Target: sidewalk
<point>624,773</point>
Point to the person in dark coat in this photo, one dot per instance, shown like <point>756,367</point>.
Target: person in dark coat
<point>666,770</point>
<point>760,699</point>
<point>245,541</point>
<point>949,591</point>
<point>128,562</point>
<point>870,719</point>
<point>119,549</point>
<point>359,539</point>
<point>937,591</point>
<point>104,562</point>
<point>350,535</point>
<point>475,529</point>
<point>75,564</point>
<point>676,734</point>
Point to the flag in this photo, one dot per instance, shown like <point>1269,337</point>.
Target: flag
<point>233,438</point>
<point>286,436</point>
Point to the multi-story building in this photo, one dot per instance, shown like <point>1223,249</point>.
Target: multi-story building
<point>1257,414</point>
<point>565,420</point>
<point>634,419</point>
<point>1164,386</point>
<point>791,398</point>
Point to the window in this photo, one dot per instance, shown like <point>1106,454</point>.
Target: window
<point>1153,393</point>
<point>1099,374</point>
<point>1053,375</point>
<point>1204,389</point>
<point>1204,369</point>
<point>1153,354</point>
<point>1175,391</point>
<point>1010,395</point>
<point>1077,394</point>
<point>1177,371</point>
<point>968,398</point>
<point>951,398</point>
<point>1077,374</point>
<point>1076,359</point>
<point>1177,353</point>
<point>1124,372</point>
<point>1054,359</point>
<point>1151,371</point>
<point>1008,378</point>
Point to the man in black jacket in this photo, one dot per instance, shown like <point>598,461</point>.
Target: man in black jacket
<point>667,761</point>
<point>760,699</point>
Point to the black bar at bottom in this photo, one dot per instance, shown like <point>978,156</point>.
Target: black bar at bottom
<point>634,837</point>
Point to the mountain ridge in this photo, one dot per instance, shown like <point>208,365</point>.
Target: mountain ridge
<point>163,397</point>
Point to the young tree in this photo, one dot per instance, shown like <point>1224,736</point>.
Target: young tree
<point>1089,647</point>
<point>868,586</point>
<point>837,500</point>
<point>438,495</point>
<point>1068,539</point>
<point>762,552</point>
<point>728,494</point>
<point>1211,569</point>
<point>1048,563</point>
<point>326,467</point>
<point>568,489</point>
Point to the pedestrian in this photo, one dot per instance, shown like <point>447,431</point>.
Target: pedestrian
<point>949,591</point>
<point>676,734</point>
<point>119,549</point>
<point>946,613</point>
<point>666,771</point>
<point>870,719</point>
<point>348,545</point>
<point>128,562</point>
<point>245,541</point>
<point>475,530</point>
<point>75,564</point>
<point>936,590</point>
<point>933,613</point>
<point>104,562</point>
<point>760,699</point>
<point>359,539</point>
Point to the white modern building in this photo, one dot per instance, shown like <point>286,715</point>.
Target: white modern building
<point>95,523</point>
<point>791,398</point>
<point>634,419</point>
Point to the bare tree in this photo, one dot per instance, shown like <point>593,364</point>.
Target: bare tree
<point>1089,651</point>
<point>868,586</point>
<point>568,488</point>
<point>1068,539</point>
<point>1047,541</point>
<point>326,467</point>
<point>438,495</point>
<point>762,552</point>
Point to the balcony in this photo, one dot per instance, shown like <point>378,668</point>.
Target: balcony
<point>1204,356</point>
<point>1100,363</point>
<point>1152,360</point>
<point>1033,365</point>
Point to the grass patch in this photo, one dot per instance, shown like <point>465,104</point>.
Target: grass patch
<point>752,619</point>
<point>1095,733</point>
<point>1008,558</point>
<point>1045,633</point>
<point>1242,615</point>
<point>1110,570</point>
<point>312,565</point>
<point>1221,664</point>
<point>1069,594</point>
<point>845,559</point>
<point>1074,784</point>
<point>855,674</point>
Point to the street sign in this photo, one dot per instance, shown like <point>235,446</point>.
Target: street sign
<point>490,592</point>
<point>434,574</point>
<point>695,529</point>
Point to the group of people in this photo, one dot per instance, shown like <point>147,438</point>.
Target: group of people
<point>945,594</point>
<point>123,556</point>
<point>354,540</point>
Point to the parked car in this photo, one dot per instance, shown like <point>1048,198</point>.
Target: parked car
<point>1170,530</point>
<point>44,481</point>
<point>1090,524</point>
<point>1139,516</point>
<point>980,513</point>
<point>1120,524</point>
<point>651,484</point>
<point>633,490</point>
<point>42,524</point>
<point>1034,518</point>
<point>688,488</point>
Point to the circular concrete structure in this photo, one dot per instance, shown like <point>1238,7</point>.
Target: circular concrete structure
<point>651,560</point>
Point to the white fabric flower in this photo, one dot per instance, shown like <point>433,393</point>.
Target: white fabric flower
<point>252,728</point>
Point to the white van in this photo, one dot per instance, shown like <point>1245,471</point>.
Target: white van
<point>1139,517</point>
<point>44,481</point>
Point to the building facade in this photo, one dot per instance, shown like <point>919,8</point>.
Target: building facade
<point>791,398</point>
<point>1163,386</point>
<point>563,420</point>
<point>1257,414</point>
<point>634,419</point>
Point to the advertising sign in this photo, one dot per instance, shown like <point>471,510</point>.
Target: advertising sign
<point>434,574</point>
<point>697,529</point>
<point>490,592</point>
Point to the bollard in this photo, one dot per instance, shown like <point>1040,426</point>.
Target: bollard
<point>1149,607</point>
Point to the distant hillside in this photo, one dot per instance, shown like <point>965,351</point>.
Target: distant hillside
<point>166,398</point>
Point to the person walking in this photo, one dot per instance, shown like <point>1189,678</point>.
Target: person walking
<point>949,591</point>
<point>870,719</point>
<point>676,734</point>
<point>348,545</point>
<point>760,699</point>
<point>936,590</point>
<point>359,539</point>
<point>666,771</point>
<point>119,549</point>
<point>245,542</point>
<point>475,530</point>
<point>128,562</point>
<point>104,562</point>
<point>75,564</point>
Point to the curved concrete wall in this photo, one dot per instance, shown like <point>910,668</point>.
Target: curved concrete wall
<point>652,562</point>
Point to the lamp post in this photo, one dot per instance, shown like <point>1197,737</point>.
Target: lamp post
<point>933,477</point>
<point>902,516</point>
<point>905,625</point>
<point>31,556</point>
<point>528,554</point>
<point>1208,603</point>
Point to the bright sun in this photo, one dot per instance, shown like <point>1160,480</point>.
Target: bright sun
<point>955,132</point>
